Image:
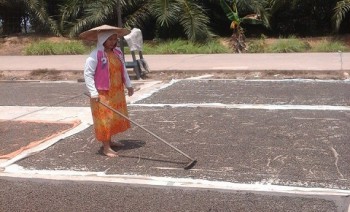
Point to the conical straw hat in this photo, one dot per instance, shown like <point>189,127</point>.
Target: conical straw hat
<point>91,34</point>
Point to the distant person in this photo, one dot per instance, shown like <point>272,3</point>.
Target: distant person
<point>105,77</point>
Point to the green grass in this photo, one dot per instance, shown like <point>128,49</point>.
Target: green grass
<point>257,45</point>
<point>183,47</point>
<point>56,48</point>
<point>282,45</point>
<point>163,47</point>
<point>293,44</point>
<point>288,45</point>
<point>330,46</point>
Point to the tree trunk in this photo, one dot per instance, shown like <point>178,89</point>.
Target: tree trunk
<point>120,24</point>
<point>238,40</point>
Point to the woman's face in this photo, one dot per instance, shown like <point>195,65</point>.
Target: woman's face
<point>111,42</point>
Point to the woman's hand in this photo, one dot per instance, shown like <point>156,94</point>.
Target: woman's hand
<point>130,91</point>
<point>95,98</point>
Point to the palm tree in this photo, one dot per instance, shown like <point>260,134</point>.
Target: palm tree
<point>255,13</point>
<point>189,15</point>
<point>340,11</point>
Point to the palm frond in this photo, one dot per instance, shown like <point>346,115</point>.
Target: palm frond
<point>165,11</point>
<point>340,11</point>
<point>138,15</point>
<point>72,10</point>
<point>230,12</point>
<point>252,19</point>
<point>96,14</point>
<point>259,8</point>
<point>38,8</point>
<point>277,4</point>
<point>194,21</point>
<point>255,8</point>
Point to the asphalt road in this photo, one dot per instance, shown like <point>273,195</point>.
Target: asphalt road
<point>43,195</point>
<point>271,135</point>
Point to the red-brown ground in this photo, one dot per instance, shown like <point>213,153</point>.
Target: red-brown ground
<point>18,136</point>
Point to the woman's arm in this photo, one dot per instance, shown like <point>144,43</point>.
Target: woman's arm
<point>89,73</point>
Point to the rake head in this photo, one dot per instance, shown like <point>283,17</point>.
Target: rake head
<point>190,165</point>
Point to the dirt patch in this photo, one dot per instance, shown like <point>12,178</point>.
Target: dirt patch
<point>52,75</point>
<point>41,74</point>
<point>251,75</point>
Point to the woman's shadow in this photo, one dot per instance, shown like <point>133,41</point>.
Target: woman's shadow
<point>129,144</point>
<point>126,145</point>
<point>135,144</point>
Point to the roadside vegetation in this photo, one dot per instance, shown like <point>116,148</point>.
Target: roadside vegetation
<point>161,47</point>
<point>56,48</point>
<point>293,44</point>
<point>185,47</point>
<point>215,46</point>
<point>195,21</point>
<point>330,46</point>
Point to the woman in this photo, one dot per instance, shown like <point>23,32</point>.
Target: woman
<point>105,77</point>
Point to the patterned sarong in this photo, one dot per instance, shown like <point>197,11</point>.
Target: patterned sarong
<point>106,122</point>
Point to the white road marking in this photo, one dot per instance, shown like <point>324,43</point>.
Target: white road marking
<point>18,171</point>
<point>200,77</point>
<point>270,80</point>
<point>146,89</point>
<point>149,92</point>
<point>250,106</point>
<point>230,68</point>
<point>48,114</point>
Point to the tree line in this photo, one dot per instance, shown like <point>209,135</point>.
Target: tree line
<point>196,20</point>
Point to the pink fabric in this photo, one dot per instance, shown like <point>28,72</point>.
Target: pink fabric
<point>102,70</point>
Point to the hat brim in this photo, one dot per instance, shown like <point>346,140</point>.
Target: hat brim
<point>92,33</point>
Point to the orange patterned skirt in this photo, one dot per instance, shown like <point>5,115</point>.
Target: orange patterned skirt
<point>106,122</point>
